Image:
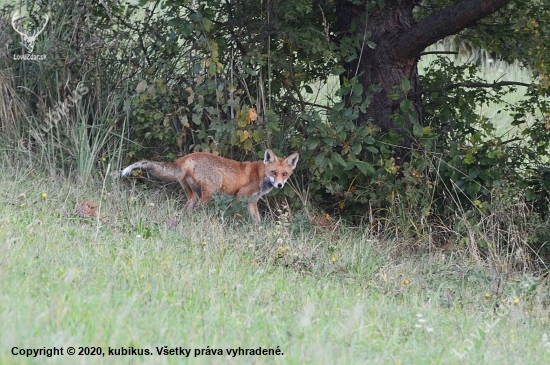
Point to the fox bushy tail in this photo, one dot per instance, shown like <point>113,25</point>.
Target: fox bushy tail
<point>164,171</point>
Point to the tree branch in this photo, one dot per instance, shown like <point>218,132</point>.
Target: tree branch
<point>317,105</point>
<point>437,52</point>
<point>468,84</point>
<point>446,22</point>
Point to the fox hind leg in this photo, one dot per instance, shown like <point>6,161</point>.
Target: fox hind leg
<point>209,184</point>
<point>207,192</point>
<point>193,192</point>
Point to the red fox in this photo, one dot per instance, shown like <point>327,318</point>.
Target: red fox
<point>203,174</point>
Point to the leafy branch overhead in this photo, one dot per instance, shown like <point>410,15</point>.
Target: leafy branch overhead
<point>443,23</point>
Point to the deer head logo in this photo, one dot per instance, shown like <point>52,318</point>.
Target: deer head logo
<point>28,40</point>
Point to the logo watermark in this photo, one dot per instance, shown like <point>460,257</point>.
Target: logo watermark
<point>62,108</point>
<point>28,40</point>
<point>545,343</point>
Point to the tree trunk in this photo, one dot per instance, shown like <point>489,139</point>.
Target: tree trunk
<point>380,66</point>
<point>399,41</point>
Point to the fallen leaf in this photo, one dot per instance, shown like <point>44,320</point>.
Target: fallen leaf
<point>87,208</point>
<point>252,115</point>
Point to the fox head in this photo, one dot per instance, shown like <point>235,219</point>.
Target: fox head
<point>278,170</point>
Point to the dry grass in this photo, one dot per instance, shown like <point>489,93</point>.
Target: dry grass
<point>141,275</point>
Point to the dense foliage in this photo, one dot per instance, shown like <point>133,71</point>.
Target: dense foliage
<point>173,76</point>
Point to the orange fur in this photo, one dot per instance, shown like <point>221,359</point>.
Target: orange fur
<point>203,174</point>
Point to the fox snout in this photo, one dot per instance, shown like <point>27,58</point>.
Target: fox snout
<point>277,185</point>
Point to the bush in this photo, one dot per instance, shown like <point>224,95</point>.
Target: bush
<point>163,80</point>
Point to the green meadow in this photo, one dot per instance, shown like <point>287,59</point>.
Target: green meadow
<point>143,276</point>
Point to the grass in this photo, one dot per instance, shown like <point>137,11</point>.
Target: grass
<point>133,278</point>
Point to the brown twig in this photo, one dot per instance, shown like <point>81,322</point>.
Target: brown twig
<point>468,84</point>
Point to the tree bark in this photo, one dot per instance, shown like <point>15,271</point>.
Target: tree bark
<point>399,42</point>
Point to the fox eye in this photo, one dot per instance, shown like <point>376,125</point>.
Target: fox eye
<point>274,173</point>
<point>285,173</point>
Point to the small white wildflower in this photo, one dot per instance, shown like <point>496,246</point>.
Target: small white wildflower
<point>419,315</point>
<point>138,236</point>
<point>429,329</point>
<point>418,325</point>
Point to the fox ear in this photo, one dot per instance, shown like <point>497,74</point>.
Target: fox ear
<point>292,160</point>
<point>269,157</point>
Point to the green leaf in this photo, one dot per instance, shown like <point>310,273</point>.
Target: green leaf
<point>127,104</point>
<point>308,89</point>
<point>365,167</point>
<point>469,159</point>
<point>531,195</point>
<point>207,24</point>
<point>338,106</point>
<point>257,136</point>
<point>369,140</point>
<point>412,117</point>
<point>473,188</point>
<point>174,22</point>
<point>405,84</point>
<point>349,165</point>
<point>312,143</point>
<point>196,119</point>
<point>320,160</point>
<point>141,87</point>
<point>356,148</point>
<point>337,159</point>
<point>337,71</point>
<point>247,145</point>
<point>417,131</point>
<point>357,89</point>
<point>405,105</point>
